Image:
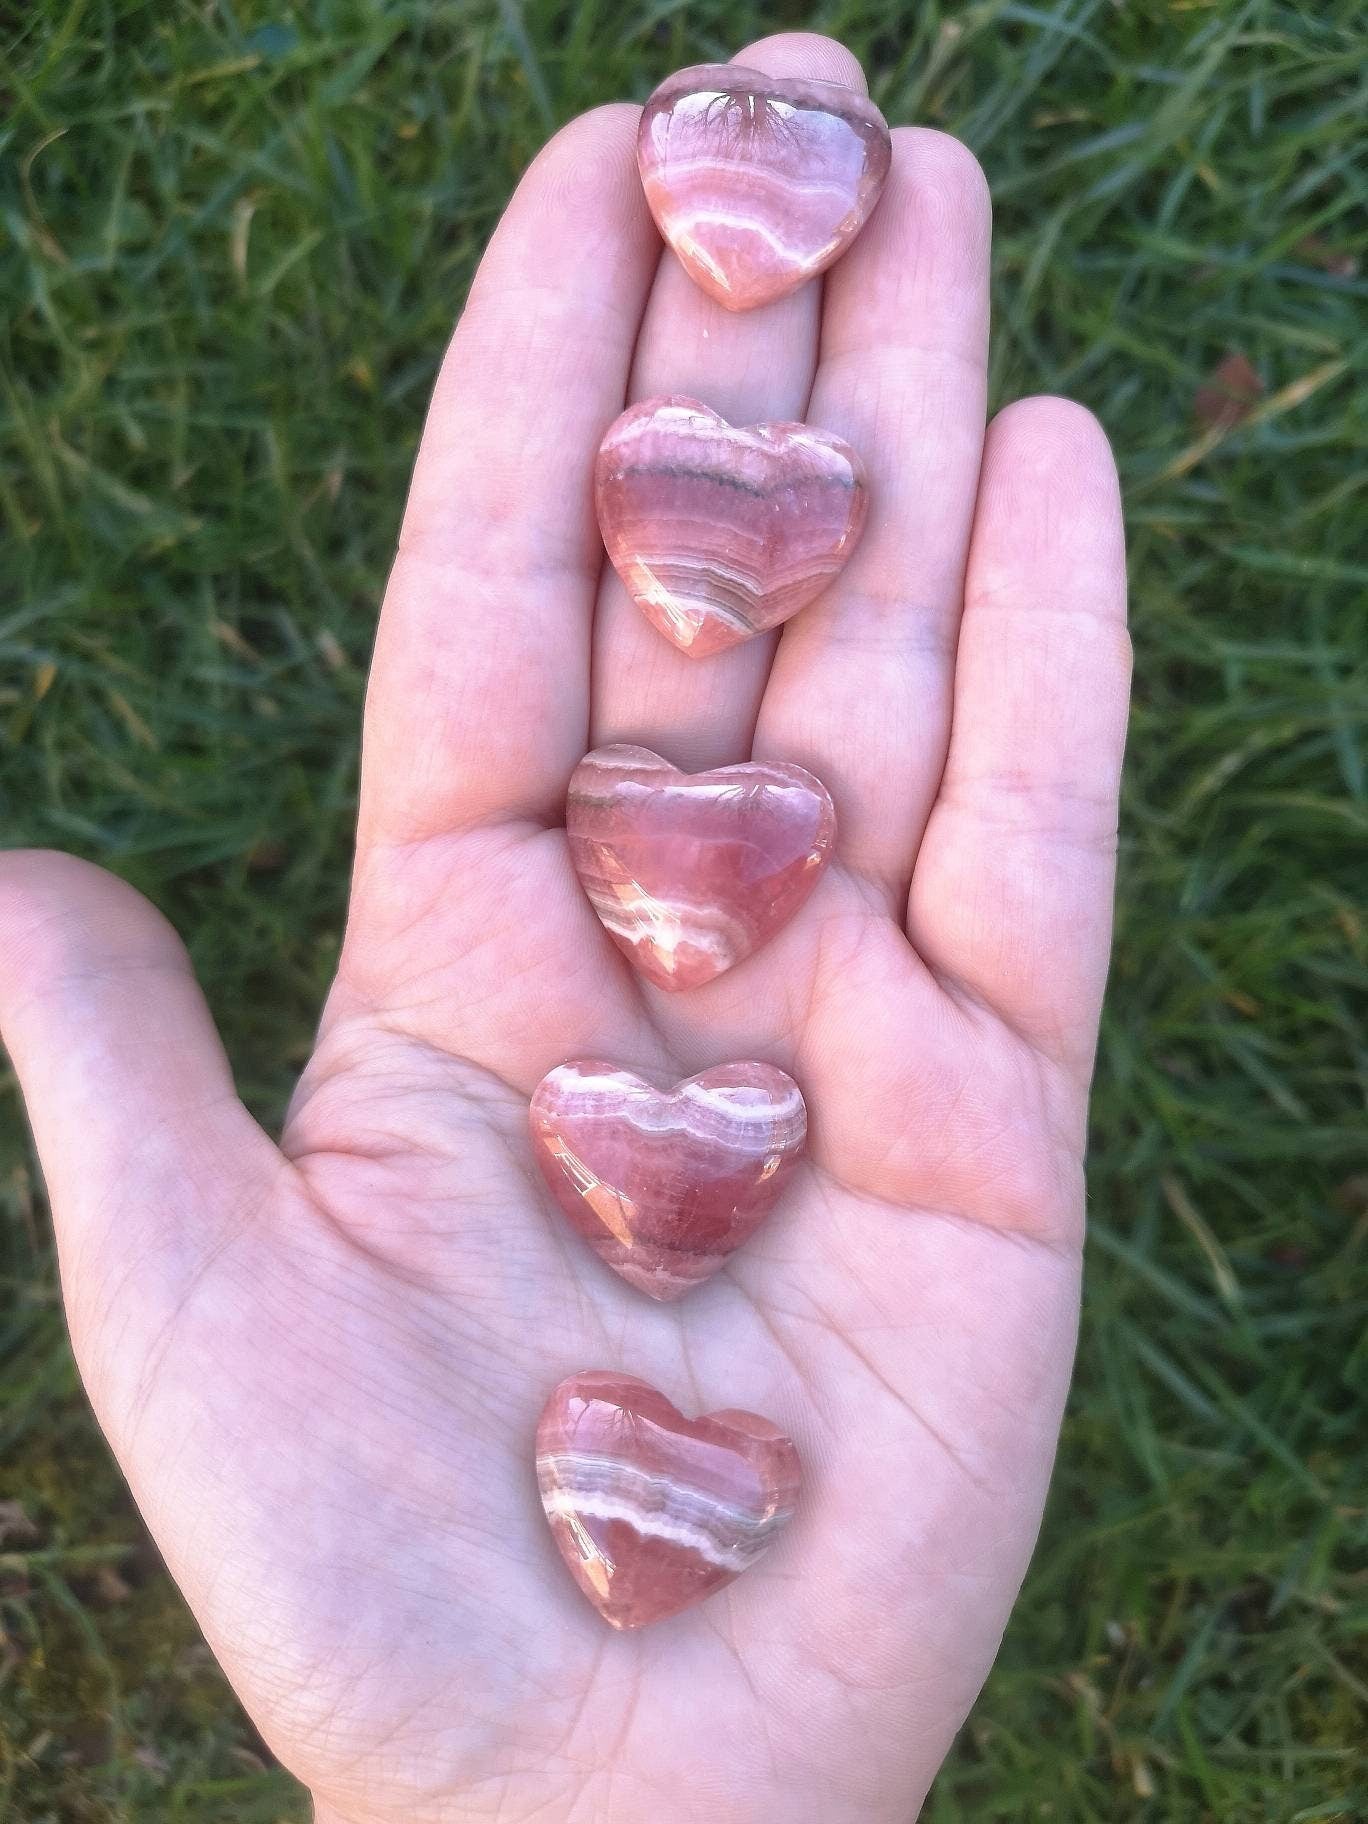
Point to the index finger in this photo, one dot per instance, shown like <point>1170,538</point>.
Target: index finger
<point>478,701</point>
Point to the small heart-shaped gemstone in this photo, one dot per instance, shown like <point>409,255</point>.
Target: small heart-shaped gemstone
<point>691,872</point>
<point>652,1511</point>
<point>759,182</point>
<point>666,1184</point>
<point>722,531</point>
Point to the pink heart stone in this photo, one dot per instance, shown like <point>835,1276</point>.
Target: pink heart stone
<point>652,1511</point>
<point>666,1184</point>
<point>759,182</point>
<point>691,872</point>
<point>722,531</point>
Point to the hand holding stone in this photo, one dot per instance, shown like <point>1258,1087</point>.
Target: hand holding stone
<point>322,1362</point>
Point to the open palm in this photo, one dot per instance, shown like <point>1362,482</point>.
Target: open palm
<point>321,1365</point>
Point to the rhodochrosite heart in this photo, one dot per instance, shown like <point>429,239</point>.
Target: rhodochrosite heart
<point>721,531</point>
<point>666,1184</point>
<point>759,182</point>
<point>653,1511</point>
<point>691,872</point>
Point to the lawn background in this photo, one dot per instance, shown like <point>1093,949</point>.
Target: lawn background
<point>232,242</point>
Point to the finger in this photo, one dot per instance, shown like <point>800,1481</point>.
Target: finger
<point>149,1156</point>
<point>477,707</point>
<point>861,686</point>
<point>750,367</point>
<point>1013,889</point>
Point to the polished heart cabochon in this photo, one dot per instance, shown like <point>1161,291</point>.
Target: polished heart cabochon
<point>691,873</point>
<point>759,182</point>
<point>650,1510</point>
<point>722,531</point>
<point>666,1183</point>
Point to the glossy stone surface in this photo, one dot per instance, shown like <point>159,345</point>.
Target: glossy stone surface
<point>692,872</point>
<point>666,1183</point>
<point>759,182</point>
<point>723,531</point>
<point>653,1511</point>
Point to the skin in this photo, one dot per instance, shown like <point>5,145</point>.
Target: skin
<point>321,1363</point>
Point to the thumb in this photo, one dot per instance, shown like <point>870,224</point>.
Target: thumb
<point>148,1154</point>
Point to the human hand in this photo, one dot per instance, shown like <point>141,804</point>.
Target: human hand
<point>321,1365</point>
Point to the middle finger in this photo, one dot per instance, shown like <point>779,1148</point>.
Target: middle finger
<point>750,367</point>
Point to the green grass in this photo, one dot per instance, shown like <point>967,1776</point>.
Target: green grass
<point>232,241</point>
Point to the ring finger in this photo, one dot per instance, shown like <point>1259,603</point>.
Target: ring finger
<point>862,685</point>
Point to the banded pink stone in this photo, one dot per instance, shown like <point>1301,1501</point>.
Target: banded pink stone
<point>666,1183</point>
<point>692,872</point>
<point>759,182</point>
<point>652,1511</point>
<point>722,531</point>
